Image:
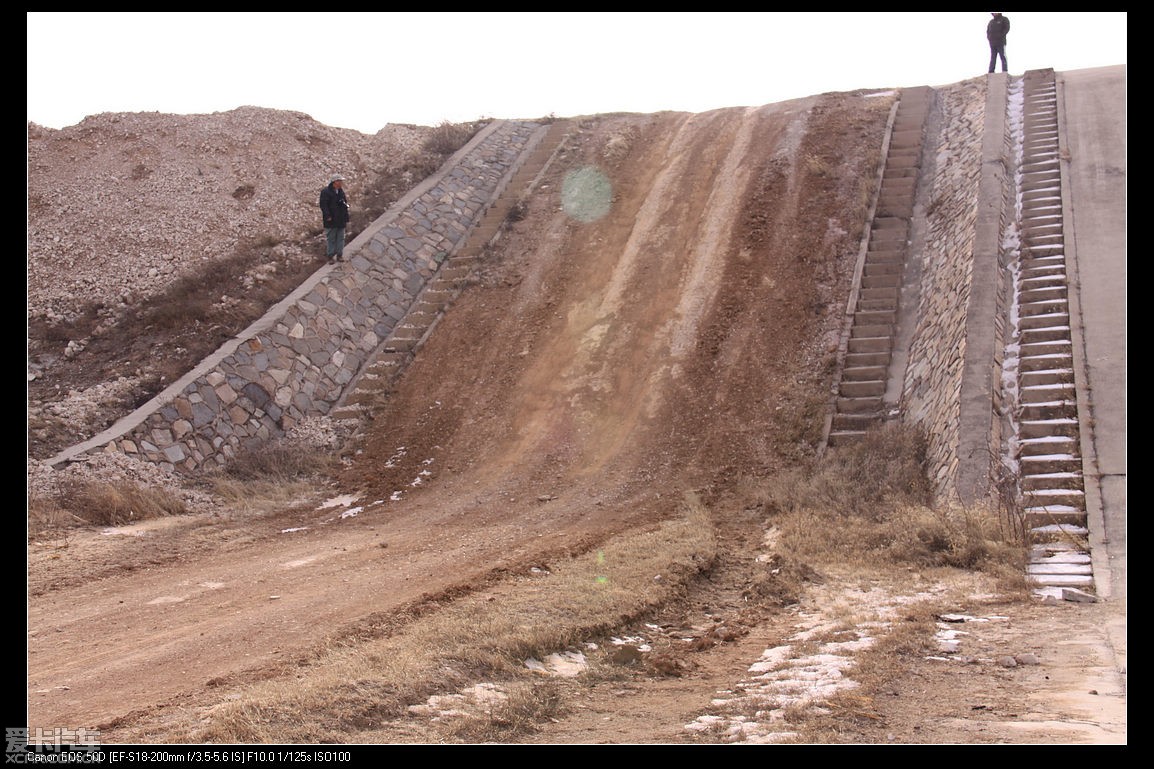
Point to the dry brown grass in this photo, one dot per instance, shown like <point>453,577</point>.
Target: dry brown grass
<point>446,138</point>
<point>270,477</point>
<point>872,500</point>
<point>352,691</point>
<point>102,503</point>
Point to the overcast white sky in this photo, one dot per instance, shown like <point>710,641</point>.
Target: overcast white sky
<point>365,70</point>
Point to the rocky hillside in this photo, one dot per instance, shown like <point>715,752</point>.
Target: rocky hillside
<point>152,238</point>
<point>122,203</point>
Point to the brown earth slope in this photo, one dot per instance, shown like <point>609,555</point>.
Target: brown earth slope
<point>662,320</point>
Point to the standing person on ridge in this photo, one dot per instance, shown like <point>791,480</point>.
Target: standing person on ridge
<point>335,215</point>
<point>996,32</point>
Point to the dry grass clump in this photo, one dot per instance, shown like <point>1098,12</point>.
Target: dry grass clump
<point>47,513</point>
<point>872,500</point>
<point>447,137</point>
<point>361,690</point>
<point>102,503</point>
<point>523,706</point>
<point>277,461</point>
<point>269,476</point>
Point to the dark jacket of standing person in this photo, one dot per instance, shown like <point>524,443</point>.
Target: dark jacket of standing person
<point>334,206</point>
<point>997,30</point>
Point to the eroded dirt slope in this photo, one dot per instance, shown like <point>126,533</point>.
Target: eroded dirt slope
<point>668,326</point>
<point>681,340</point>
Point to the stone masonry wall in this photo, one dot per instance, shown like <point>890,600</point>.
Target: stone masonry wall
<point>1001,399</point>
<point>932,388</point>
<point>296,361</point>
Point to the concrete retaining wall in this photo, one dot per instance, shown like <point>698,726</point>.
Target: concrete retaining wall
<point>297,360</point>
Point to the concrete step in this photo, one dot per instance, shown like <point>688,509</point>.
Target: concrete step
<point>1047,428</point>
<point>875,318</point>
<point>879,294</point>
<point>861,405</point>
<point>1048,445</point>
<point>1060,391</point>
<point>1036,517</point>
<point>885,255</point>
<point>1037,412</point>
<point>1042,182</point>
<point>1034,261</point>
<point>1042,294</point>
<point>860,331</point>
<point>1071,481</point>
<point>436,296</point>
<point>373,384</point>
<point>889,223</point>
<point>1042,251</point>
<point>889,305</point>
<point>871,345</point>
<point>845,437</point>
<point>890,234</point>
<point>863,388</point>
<point>1047,222</point>
<point>351,412</point>
<point>872,269</point>
<point>867,359</point>
<point>1052,307</point>
<point>1046,164</point>
<point>1033,241</point>
<point>1058,533</point>
<point>1053,270</point>
<point>362,398</point>
<point>1046,377</point>
<point>400,345</point>
<point>854,423</point>
<point>1042,228</point>
<point>1049,464</point>
<point>1045,281</point>
<point>1045,347</point>
<point>1051,362</point>
<point>1043,334</point>
<point>903,161</point>
<point>904,185</point>
<point>1045,321</point>
<point>1065,575</point>
<point>906,138</point>
<point>1068,495</point>
<point>1041,195</point>
<point>895,206</point>
<point>886,280</point>
<point>864,373</point>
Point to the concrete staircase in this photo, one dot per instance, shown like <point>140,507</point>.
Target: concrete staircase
<point>1048,443</point>
<point>860,399</point>
<point>395,353</point>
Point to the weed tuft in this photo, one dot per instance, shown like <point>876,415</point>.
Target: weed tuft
<point>103,503</point>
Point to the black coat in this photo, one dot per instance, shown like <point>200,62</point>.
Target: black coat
<point>997,30</point>
<point>334,207</point>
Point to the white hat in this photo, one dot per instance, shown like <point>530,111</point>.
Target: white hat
<point>336,178</point>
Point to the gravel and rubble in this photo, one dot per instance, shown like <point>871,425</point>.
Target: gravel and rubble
<point>122,205</point>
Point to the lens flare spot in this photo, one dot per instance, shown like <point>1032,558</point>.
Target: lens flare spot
<point>586,194</point>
